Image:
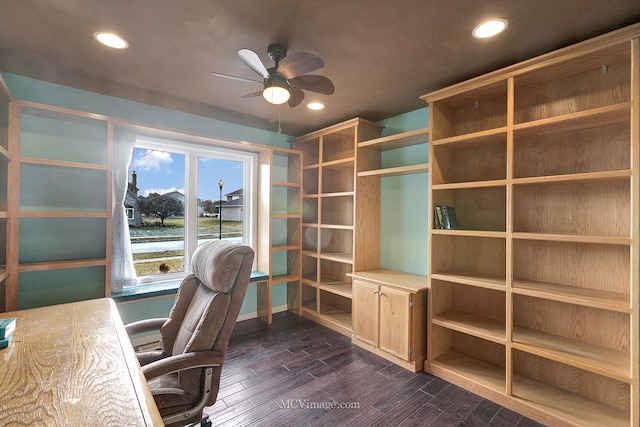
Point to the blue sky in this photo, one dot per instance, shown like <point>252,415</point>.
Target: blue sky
<point>161,172</point>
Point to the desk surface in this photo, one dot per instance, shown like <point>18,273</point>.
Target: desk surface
<point>73,365</point>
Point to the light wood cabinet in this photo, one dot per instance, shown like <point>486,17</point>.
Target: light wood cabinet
<point>280,227</point>
<point>389,315</point>
<point>329,217</point>
<point>534,300</point>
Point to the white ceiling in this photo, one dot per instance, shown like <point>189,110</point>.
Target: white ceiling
<point>380,54</point>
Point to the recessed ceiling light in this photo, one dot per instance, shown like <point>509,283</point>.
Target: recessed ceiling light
<point>111,40</point>
<point>490,28</point>
<point>315,106</point>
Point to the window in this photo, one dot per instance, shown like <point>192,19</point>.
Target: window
<point>130,213</point>
<point>174,190</point>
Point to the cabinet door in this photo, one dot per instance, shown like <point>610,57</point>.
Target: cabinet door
<point>394,321</point>
<point>365,311</point>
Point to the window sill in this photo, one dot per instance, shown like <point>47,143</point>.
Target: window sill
<point>169,287</point>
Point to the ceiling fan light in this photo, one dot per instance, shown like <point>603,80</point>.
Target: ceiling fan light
<point>276,94</point>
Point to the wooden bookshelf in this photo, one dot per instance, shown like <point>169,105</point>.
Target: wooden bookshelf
<point>534,301</point>
<point>329,220</point>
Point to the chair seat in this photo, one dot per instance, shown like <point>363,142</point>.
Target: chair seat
<point>169,395</point>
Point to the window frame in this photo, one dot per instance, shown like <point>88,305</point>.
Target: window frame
<point>192,151</point>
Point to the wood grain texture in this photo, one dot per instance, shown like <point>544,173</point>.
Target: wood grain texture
<point>72,364</point>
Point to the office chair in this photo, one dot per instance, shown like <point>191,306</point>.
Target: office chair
<point>184,376</point>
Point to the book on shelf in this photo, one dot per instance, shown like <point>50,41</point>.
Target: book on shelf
<point>445,217</point>
<point>7,327</point>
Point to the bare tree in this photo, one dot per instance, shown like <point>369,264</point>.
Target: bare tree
<point>161,206</point>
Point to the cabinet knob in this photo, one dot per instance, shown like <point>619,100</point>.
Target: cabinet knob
<point>381,293</point>
<point>376,292</point>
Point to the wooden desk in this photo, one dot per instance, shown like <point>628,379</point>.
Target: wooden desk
<point>73,365</point>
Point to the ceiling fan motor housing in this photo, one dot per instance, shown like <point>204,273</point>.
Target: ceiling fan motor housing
<point>276,52</point>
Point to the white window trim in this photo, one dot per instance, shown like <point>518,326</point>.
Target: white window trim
<point>191,152</point>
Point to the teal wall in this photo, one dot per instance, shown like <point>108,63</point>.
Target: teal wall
<point>404,201</point>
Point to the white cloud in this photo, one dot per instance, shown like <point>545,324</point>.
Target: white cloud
<point>161,191</point>
<point>152,160</point>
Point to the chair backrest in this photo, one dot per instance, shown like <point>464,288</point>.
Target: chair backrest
<point>207,304</point>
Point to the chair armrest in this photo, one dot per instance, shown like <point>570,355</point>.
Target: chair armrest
<point>182,362</point>
<point>146,325</point>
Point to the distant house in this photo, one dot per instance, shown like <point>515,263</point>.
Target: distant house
<point>232,207</point>
<point>131,202</point>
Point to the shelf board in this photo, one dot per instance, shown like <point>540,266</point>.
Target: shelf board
<point>479,138</point>
<point>285,184</point>
<point>472,324</point>
<point>472,278</point>
<point>335,226</point>
<point>309,281</point>
<point>329,281</point>
<point>337,257</point>
<point>574,238</point>
<point>285,278</point>
<point>309,309</point>
<point>616,175</point>
<point>396,171</point>
<point>398,279</point>
<point>285,216</point>
<point>4,214</point>
<point>61,163</point>
<point>57,265</point>
<point>3,273</point>
<point>346,162</point>
<point>61,214</point>
<point>5,153</point>
<point>335,315</point>
<point>338,194</point>
<point>567,406</point>
<point>279,248</point>
<point>583,355</point>
<point>470,233</point>
<point>342,289</point>
<point>400,140</point>
<point>597,117</point>
<point>313,254</point>
<point>471,369</point>
<point>470,184</point>
<point>573,295</point>
<point>312,166</point>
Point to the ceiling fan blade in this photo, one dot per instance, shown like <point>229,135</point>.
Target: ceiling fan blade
<point>296,98</point>
<point>313,83</point>
<point>242,79</point>
<point>299,63</point>
<point>252,94</point>
<point>251,58</point>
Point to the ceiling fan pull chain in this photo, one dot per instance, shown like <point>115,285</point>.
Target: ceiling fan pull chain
<point>279,111</point>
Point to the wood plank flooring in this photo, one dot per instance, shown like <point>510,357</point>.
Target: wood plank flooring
<point>295,372</point>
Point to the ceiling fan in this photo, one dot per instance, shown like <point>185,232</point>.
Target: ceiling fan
<point>285,81</point>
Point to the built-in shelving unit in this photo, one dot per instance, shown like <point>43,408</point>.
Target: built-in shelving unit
<point>8,176</point>
<point>329,158</point>
<point>280,229</point>
<point>534,300</point>
<point>64,196</point>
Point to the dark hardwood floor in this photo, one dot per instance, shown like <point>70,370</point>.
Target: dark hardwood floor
<point>293,373</point>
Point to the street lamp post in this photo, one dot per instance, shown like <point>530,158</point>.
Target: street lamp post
<point>220,183</point>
